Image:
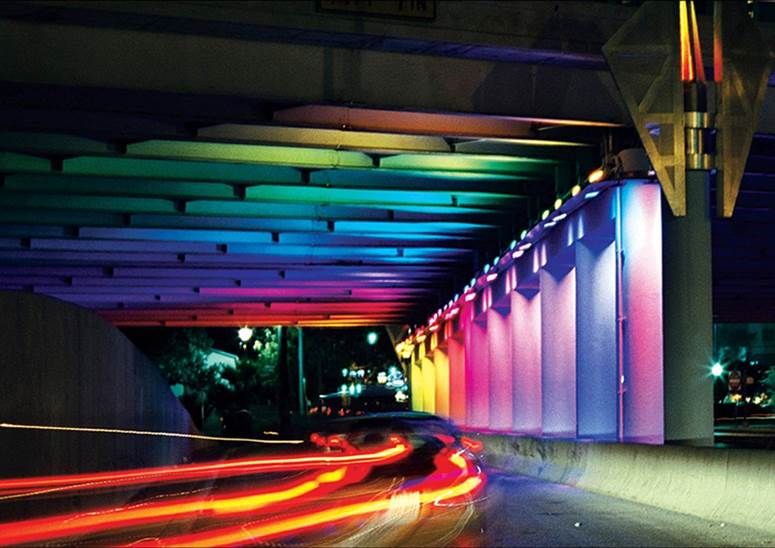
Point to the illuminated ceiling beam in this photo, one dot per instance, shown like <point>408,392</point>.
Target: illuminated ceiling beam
<point>335,179</point>
<point>86,206</point>
<point>405,179</point>
<point>261,154</point>
<point>286,256</point>
<point>89,203</point>
<point>171,169</point>
<point>191,299</point>
<point>246,276</point>
<point>118,187</point>
<point>533,148</point>
<point>393,198</point>
<point>428,123</point>
<point>330,138</point>
<point>470,162</point>
<point>339,213</point>
<point>51,143</point>
<point>239,248</point>
<point>232,236</point>
<point>12,162</point>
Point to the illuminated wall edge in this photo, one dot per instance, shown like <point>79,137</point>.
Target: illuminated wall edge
<point>566,341</point>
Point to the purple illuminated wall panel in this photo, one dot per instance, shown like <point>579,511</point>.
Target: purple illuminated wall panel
<point>642,274</point>
<point>596,349</point>
<point>525,321</point>
<point>499,348</point>
<point>558,349</point>
<point>457,376</point>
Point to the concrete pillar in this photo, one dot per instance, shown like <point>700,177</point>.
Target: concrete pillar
<point>416,380</point>
<point>457,380</point>
<point>477,374</point>
<point>428,384</point>
<point>525,321</point>
<point>641,244</point>
<point>499,350</point>
<point>558,349</point>
<point>597,377</point>
<point>441,366</point>
<point>688,320</point>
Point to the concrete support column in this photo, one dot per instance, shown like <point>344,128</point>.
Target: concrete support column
<point>640,234</point>
<point>499,348</point>
<point>416,380</point>
<point>525,321</point>
<point>597,377</point>
<point>428,385</point>
<point>477,374</point>
<point>457,380</point>
<point>558,350</point>
<point>688,317</point>
<point>441,367</point>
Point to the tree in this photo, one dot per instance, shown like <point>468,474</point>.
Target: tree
<point>184,361</point>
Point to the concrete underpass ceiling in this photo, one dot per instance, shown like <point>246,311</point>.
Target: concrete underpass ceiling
<point>191,213</point>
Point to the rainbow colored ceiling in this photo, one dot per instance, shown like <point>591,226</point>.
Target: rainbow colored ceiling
<point>213,219</point>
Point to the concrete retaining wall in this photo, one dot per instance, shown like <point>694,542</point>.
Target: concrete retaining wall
<point>63,365</point>
<point>723,485</point>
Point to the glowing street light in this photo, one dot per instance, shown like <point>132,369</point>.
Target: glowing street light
<point>372,337</point>
<point>245,334</point>
<point>716,370</point>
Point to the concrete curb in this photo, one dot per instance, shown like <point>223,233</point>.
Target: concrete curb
<point>723,485</point>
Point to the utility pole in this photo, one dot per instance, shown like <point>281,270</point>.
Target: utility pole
<point>302,387</point>
<point>283,387</point>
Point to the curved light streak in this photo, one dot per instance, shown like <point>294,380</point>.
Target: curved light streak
<point>144,433</point>
<point>18,487</point>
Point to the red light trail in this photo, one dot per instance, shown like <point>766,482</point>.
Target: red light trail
<point>15,488</point>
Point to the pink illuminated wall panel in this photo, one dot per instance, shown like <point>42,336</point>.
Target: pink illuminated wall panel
<point>558,349</point>
<point>525,321</point>
<point>642,274</point>
<point>457,380</point>
<point>477,375</point>
<point>441,365</point>
<point>499,348</point>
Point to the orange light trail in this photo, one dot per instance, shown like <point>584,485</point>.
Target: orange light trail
<point>14,488</point>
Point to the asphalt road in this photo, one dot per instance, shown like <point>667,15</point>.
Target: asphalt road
<point>522,511</point>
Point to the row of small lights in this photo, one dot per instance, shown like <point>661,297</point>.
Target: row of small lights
<point>515,250</point>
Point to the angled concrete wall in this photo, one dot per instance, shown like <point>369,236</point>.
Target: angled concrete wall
<point>61,365</point>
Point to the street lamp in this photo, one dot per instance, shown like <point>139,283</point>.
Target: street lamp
<point>245,334</point>
<point>372,337</point>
